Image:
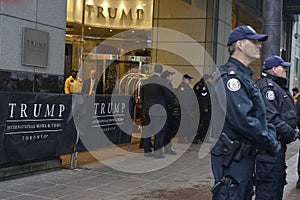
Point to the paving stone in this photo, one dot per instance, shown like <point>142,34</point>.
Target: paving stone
<point>187,178</point>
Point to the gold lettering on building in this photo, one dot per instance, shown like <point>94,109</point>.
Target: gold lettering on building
<point>113,13</point>
<point>124,15</point>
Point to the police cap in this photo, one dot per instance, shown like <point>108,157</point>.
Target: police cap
<point>186,76</point>
<point>166,73</point>
<point>274,61</point>
<point>245,32</point>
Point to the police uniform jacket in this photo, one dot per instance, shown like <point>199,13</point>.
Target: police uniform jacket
<point>155,91</point>
<point>281,110</point>
<point>202,92</point>
<point>187,98</point>
<point>174,100</point>
<point>242,104</point>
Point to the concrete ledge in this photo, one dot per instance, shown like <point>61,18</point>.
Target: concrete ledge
<point>29,168</point>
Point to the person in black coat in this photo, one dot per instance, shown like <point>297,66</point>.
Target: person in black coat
<point>168,75</point>
<point>237,98</point>
<point>155,97</point>
<point>188,109</point>
<point>202,90</point>
<point>281,112</point>
<point>90,84</point>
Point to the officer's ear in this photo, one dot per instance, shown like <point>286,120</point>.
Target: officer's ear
<point>274,70</point>
<point>239,44</point>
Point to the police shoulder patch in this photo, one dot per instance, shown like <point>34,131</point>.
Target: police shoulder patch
<point>270,95</point>
<point>233,84</point>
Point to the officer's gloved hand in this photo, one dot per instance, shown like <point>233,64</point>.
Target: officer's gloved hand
<point>276,149</point>
<point>274,143</point>
<point>289,137</point>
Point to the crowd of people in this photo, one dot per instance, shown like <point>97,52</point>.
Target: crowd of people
<point>159,90</point>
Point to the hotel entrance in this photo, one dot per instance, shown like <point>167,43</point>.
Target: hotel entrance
<point>113,37</point>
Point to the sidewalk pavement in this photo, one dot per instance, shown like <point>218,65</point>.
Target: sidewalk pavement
<point>187,177</point>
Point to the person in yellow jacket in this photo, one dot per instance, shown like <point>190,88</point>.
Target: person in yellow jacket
<point>73,84</point>
<point>295,94</point>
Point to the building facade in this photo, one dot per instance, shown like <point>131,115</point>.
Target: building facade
<point>18,44</point>
<point>42,41</point>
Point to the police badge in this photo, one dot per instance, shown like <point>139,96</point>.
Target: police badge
<point>233,84</point>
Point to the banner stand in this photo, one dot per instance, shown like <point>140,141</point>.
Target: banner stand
<point>74,156</point>
<point>73,160</point>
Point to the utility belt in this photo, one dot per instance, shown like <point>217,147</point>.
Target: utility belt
<point>235,149</point>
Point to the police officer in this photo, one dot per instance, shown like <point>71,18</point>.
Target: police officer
<point>281,112</point>
<point>202,89</point>
<point>188,104</point>
<point>245,128</point>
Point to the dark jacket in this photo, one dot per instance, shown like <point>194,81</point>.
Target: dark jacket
<point>281,110</point>
<point>241,102</point>
<point>187,99</point>
<point>86,86</point>
<point>155,91</point>
<point>202,92</point>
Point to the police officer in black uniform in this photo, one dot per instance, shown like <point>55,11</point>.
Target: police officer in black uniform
<point>202,89</point>
<point>245,129</point>
<point>188,107</point>
<point>281,112</point>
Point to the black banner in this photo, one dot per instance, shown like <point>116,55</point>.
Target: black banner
<point>37,125</point>
<point>291,7</point>
<point>103,120</point>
